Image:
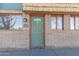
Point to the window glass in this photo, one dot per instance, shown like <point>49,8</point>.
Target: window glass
<point>1,24</point>
<point>59,22</point>
<point>18,23</point>
<point>11,22</point>
<point>72,23</point>
<point>53,23</point>
<point>77,22</point>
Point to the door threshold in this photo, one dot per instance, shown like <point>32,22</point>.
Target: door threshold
<point>37,48</point>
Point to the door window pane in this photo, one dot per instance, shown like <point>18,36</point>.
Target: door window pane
<point>72,23</point>
<point>53,23</point>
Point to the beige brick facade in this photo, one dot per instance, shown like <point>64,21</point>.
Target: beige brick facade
<point>14,39</point>
<point>53,39</point>
<point>67,38</point>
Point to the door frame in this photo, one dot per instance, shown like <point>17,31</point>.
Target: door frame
<point>30,32</point>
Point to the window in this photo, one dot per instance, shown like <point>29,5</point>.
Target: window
<point>12,22</point>
<point>74,22</point>
<point>77,22</point>
<point>57,23</point>
<point>53,23</point>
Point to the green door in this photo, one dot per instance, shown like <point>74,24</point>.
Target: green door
<point>37,32</point>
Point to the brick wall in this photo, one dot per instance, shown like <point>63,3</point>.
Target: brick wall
<point>67,38</point>
<point>14,39</point>
<point>53,39</point>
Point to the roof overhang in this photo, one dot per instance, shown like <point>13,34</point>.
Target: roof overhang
<point>48,7</point>
<point>10,12</point>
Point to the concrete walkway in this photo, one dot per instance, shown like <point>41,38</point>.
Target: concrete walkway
<point>41,52</point>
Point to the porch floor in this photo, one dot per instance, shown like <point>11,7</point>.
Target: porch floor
<point>41,52</point>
